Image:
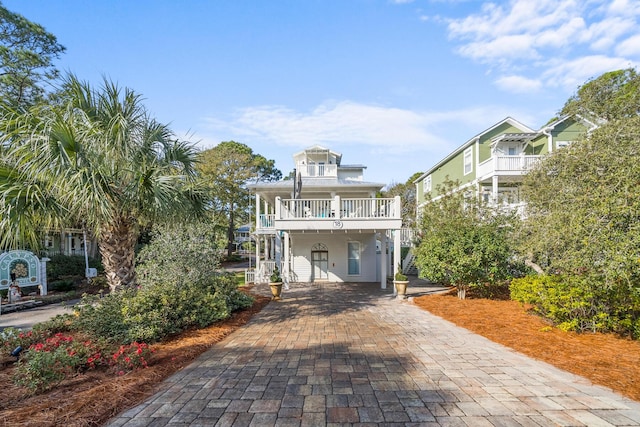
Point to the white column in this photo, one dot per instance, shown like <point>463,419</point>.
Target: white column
<point>286,266</point>
<point>494,189</point>
<point>257,254</point>
<point>383,260</point>
<point>397,252</point>
<point>258,212</point>
<point>277,249</point>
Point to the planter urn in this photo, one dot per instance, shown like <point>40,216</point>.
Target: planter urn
<point>276,290</point>
<point>401,288</point>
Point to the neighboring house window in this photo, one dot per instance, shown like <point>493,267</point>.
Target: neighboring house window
<point>353,258</point>
<point>468,161</point>
<point>561,144</point>
<point>427,184</point>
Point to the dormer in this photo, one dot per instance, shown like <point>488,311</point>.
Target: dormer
<point>317,161</point>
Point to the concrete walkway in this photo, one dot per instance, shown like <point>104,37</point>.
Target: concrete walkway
<point>350,354</point>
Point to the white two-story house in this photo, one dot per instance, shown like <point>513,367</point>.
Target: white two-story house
<point>326,224</point>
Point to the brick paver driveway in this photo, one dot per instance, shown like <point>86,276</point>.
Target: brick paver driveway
<point>349,354</point>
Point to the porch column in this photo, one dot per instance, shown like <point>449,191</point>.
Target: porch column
<point>397,256</point>
<point>383,260</point>
<point>68,248</point>
<point>494,189</point>
<point>388,248</point>
<point>265,249</point>
<point>277,249</point>
<point>257,266</point>
<point>286,266</point>
<point>258,211</point>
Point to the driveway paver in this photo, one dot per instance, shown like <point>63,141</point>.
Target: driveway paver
<point>351,354</point>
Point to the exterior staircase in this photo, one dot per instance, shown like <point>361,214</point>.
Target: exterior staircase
<point>409,266</point>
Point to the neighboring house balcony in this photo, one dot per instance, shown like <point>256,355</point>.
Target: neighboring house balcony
<point>506,166</point>
<point>332,215</point>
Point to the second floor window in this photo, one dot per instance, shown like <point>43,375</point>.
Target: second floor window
<point>427,184</point>
<point>468,160</point>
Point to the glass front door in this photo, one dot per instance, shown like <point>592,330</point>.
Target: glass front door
<point>320,265</point>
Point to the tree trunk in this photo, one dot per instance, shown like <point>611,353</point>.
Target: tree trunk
<point>117,247</point>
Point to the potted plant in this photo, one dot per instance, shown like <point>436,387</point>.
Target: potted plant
<point>275,283</point>
<point>401,281</point>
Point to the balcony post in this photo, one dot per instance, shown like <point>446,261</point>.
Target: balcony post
<point>258,211</point>
<point>278,207</point>
<point>383,260</point>
<point>337,208</point>
<point>397,204</point>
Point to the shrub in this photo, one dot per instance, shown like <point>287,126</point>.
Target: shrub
<point>166,308</point>
<point>61,285</point>
<point>130,357</point>
<point>275,276</point>
<point>581,303</point>
<point>55,358</point>
<point>62,266</point>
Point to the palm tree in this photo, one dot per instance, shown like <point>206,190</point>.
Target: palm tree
<point>94,157</point>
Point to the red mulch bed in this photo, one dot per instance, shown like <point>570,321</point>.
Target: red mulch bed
<point>92,398</point>
<point>605,359</point>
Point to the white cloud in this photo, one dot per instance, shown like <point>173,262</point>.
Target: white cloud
<point>351,124</point>
<point>629,47</point>
<point>518,84</point>
<point>552,43</point>
<point>571,74</point>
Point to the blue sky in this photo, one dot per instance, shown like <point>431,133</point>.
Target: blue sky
<point>392,84</point>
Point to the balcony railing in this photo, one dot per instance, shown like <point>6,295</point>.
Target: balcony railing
<point>267,222</point>
<point>338,208</point>
<point>507,164</point>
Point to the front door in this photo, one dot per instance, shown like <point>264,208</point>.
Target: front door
<point>320,265</point>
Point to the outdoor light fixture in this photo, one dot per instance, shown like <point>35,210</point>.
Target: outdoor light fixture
<point>16,352</point>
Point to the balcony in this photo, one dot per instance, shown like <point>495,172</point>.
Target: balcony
<point>507,165</point>
<point>317,170</point>
<point>333,214</point>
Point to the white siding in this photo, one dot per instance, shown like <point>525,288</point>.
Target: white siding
<point>336,244</point>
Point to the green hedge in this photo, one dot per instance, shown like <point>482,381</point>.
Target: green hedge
<point>64,266</point>
<point>580,303</point>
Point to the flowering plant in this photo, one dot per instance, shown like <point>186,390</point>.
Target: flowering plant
<point>130,357</point>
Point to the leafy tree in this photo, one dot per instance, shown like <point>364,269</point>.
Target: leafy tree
<point>177,253</point>
<point>97,159</point>
<point>583,208</point>
<point>583,211</point>
<point>27,52</point>
<point>462,241</point>
<point>407,193</point>
<point>613,95</point>
<point>227,169</point>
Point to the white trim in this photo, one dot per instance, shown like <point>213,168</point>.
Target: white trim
<point>467,152</point>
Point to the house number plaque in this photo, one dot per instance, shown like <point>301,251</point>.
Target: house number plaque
<point>337,223</point>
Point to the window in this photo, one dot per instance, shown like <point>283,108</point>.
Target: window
<point>427,185</point>
<point>512,151</point>
<point>561,144</point>
<point>353,258</point>
<point>468,161</point>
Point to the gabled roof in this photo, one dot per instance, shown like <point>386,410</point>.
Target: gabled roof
<point>320,149</point>
<point>509,120</point>
<point>589,124</point>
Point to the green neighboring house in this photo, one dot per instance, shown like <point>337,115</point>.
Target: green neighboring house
<point>492,164</point>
